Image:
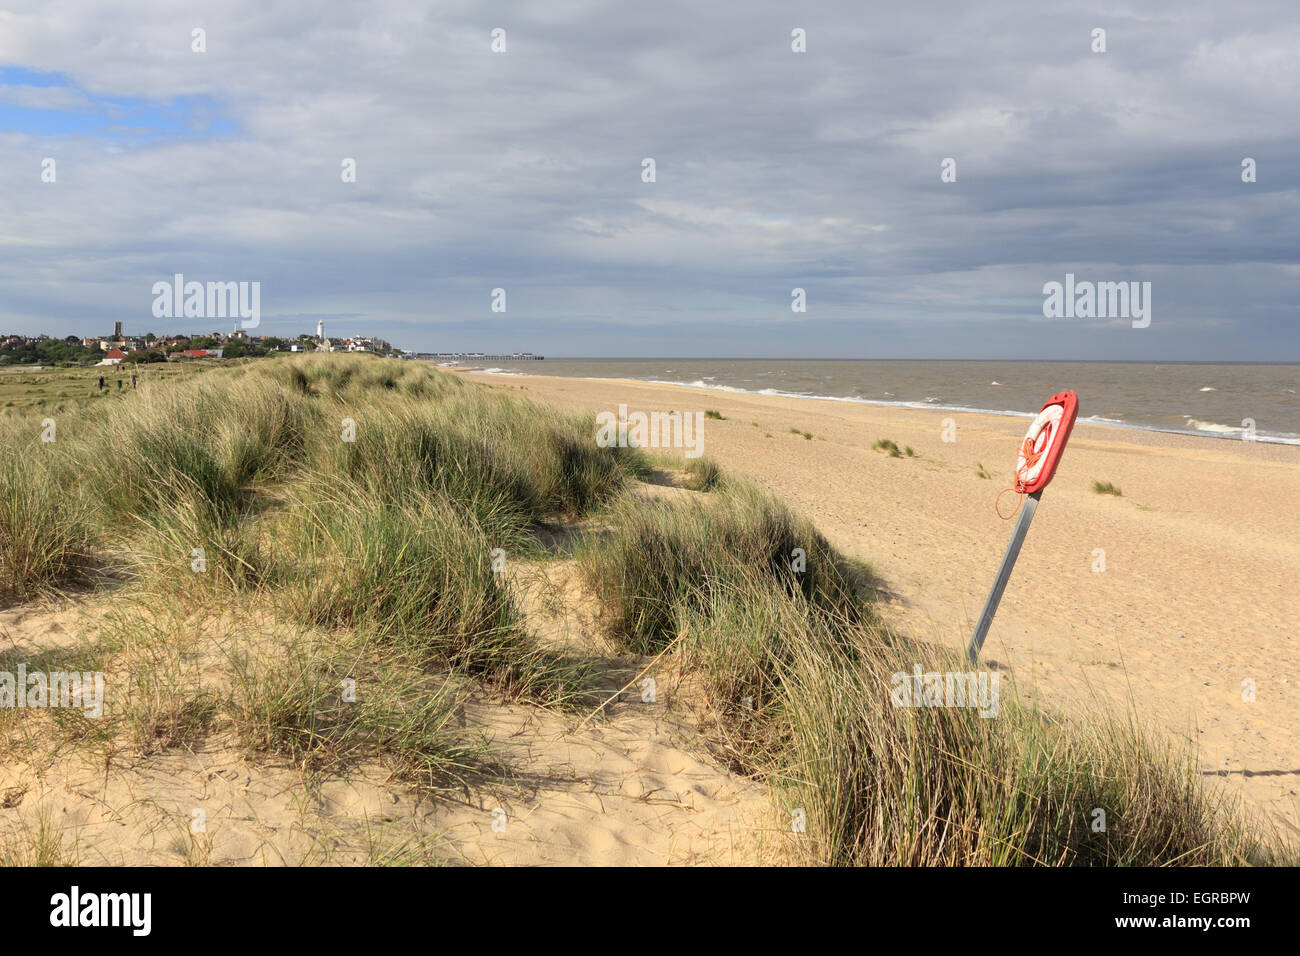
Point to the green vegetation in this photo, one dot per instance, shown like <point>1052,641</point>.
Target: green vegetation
<point>982,472</point>
<point>48,351</point>
<point>1106,488</point>
<point>893,450</point>
<point>714,413</point>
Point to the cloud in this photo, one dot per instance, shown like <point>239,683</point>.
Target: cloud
<point>522,170</point>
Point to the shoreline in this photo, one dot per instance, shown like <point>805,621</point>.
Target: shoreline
<point>1220,432</point>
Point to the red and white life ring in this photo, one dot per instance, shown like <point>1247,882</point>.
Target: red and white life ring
<point>1041,449</point>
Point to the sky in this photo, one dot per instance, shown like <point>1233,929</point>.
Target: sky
<point>524,170</point>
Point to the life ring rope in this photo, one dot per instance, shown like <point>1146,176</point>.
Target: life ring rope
<point>1020,499</point>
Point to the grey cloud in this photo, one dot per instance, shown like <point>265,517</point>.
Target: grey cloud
<point>775,170</point>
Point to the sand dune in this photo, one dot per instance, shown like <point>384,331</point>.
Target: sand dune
<point>635,787</point>
<point>633,784</point>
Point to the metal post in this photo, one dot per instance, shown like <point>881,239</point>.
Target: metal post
<point>1004,575</point>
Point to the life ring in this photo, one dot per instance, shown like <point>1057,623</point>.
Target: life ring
<point>1037,443</point>
<point>1044,441</point>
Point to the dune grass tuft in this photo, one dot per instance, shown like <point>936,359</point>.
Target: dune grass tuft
<point>295,706</point>
<point>703,474</point>
<point>45,527</point>
<point>658,555</point>
<point>799,674</point>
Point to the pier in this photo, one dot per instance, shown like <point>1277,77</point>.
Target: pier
<point>480,356</point>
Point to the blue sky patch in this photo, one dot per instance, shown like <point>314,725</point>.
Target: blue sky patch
<point>49,104</point>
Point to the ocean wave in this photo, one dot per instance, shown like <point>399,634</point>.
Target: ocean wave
<point>1195,427</point>
<point>1214,427</point>
<point>1236,431</point>
<point>698,383</point>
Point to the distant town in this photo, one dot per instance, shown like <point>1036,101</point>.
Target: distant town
<point>123,348</point>
<point>74,350</point>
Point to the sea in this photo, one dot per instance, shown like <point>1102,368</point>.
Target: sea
<point>1213,400</point>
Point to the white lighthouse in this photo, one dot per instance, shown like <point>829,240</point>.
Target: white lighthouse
<point>320,331</point>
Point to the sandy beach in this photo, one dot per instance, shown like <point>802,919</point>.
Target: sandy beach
<point>1194,607</point>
